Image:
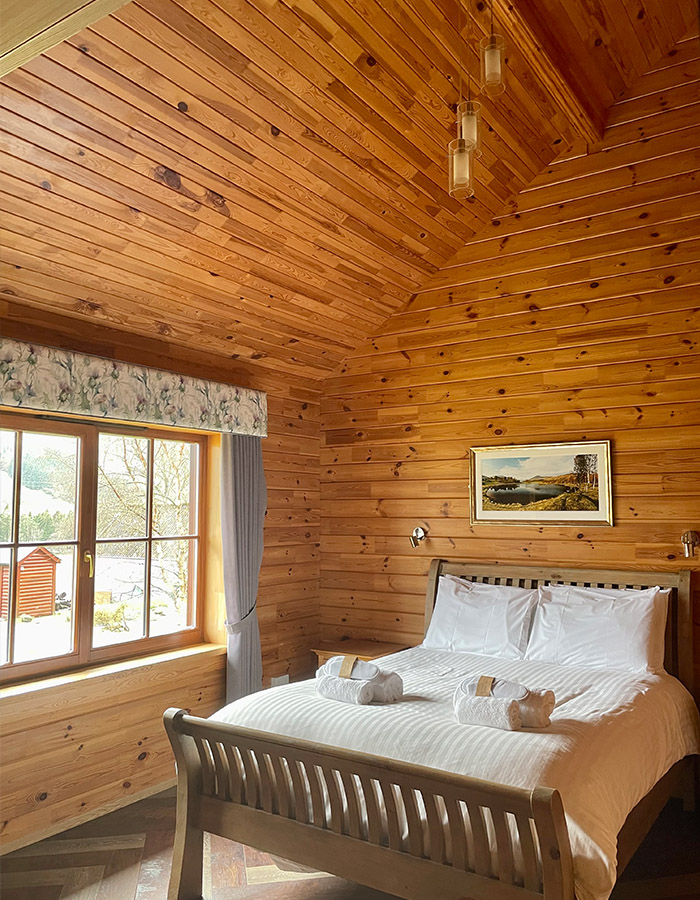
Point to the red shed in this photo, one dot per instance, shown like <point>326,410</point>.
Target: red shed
<point>36,584</point>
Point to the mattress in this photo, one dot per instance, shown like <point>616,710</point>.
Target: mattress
<point>613,735</point>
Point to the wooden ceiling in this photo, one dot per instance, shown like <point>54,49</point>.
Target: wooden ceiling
<point>266,180</point>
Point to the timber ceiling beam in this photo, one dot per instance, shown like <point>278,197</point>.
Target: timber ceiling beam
<point>30,27</point>
<point>539,46</point>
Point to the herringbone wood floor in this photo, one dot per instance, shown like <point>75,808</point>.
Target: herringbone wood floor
<point>126,856</point>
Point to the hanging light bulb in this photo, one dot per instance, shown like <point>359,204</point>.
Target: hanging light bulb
<point>461,151</point>
<point>492,62</point>
<point>469,124</point>
<point>461,166</point>
<point>492,69</point>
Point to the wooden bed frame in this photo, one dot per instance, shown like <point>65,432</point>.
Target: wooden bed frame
<point>339,811</point>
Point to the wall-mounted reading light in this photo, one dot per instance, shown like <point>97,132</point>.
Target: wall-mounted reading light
<point>419,534</point>
<point>690,540</point>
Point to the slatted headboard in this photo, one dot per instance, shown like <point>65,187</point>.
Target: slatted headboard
<point>679,626</point>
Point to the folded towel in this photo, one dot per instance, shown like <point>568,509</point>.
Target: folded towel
<point>491,711</point>
<point>347,690</point>
<point>387,686</point>
<point>362,670</point>
<point>535,706</point>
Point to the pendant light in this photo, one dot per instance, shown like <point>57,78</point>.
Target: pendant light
<point>466,146</point>
<point>469,119</point>
<point>461,165</point>
<point>492,62</point>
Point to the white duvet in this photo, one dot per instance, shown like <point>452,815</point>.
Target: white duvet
<point>613,735</point>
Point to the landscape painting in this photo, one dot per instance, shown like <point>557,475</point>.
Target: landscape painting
<point>544,484</point>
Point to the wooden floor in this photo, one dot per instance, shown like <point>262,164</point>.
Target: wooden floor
<point>126,856</point>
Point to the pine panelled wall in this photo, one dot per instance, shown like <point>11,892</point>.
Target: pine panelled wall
<point>68,755</point>
<point>247,191</point>
<point>266,181</point>
<point>131,741</point>
<point>574,315</point>
<point>288,599</point>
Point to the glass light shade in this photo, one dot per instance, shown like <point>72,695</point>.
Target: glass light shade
<point>460,168</point>
<point>492,65</point>
<point>469,124</point>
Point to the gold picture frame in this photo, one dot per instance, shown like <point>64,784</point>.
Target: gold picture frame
<point>541,484</point>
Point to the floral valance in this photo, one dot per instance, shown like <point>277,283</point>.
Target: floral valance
<point>52,380</point>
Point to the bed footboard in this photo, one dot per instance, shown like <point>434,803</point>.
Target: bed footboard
<point>415,832</point>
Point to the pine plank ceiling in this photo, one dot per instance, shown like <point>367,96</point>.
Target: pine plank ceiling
<point>265,180</point>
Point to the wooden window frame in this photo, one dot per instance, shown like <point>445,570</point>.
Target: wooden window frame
<point>83,655</point>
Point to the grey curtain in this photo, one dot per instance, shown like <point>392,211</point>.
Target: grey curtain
<point>243,504</point>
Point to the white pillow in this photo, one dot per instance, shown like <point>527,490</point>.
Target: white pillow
<point>600,628</point>
<point>489,619</point>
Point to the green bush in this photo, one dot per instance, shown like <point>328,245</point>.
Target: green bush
<point>111,619</point>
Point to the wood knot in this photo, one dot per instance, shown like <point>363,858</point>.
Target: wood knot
<point>168,177</point>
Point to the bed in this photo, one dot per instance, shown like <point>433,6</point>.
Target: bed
<point>342,790</point>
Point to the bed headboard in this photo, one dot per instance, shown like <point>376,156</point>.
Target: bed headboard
<point>679,626</point>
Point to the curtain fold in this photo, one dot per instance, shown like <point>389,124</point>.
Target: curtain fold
<point>243,505</point>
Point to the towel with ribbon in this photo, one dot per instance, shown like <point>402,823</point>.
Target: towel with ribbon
<point>535,706</point>
<point>387,687</point>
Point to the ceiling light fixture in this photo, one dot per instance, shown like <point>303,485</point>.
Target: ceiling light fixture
<point>461,150</point>
<point>467,146</point>
<point>492,62</point>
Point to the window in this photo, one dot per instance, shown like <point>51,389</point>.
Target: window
<point>100,542</point>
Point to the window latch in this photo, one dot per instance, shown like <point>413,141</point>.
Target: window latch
<point>90,560</point>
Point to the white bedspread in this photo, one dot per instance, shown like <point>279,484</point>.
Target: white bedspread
<point>613,735</point>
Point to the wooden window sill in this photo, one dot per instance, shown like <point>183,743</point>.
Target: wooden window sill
<point>35,686</point>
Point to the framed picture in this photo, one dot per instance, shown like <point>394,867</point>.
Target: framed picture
<point>542,484</point>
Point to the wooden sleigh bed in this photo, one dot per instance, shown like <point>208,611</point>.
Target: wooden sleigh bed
<point>337,810</point>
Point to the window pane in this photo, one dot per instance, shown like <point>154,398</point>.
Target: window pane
<point>120,579</point>
<point>5,576</point>
<point>48,488</point>
<point>174,476</point>
<point>45,602</point>
<point>7,483</point>
<point>122,486</point>
<point>173,574</point>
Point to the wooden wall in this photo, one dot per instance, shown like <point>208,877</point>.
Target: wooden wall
<point>66,757</point>
<point>100,763</point>
<point>573,316</point>
<point>288,598</point>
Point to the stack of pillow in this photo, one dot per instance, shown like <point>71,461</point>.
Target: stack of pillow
<point>604,628</point>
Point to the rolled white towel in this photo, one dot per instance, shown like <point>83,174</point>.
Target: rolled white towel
<point>361,670</point>
<point>535,706</point>
<point>491,711</point>
<point>388,687</point>
<point>347,690</point>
